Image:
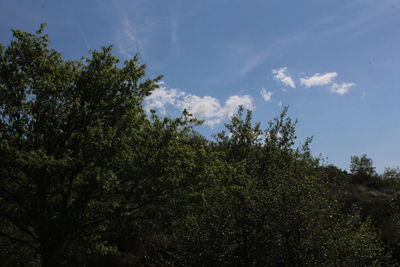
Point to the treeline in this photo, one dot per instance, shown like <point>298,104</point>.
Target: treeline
<point>88,178</point>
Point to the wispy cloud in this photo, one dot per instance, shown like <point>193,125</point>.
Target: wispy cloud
<point>174,23</point>
<point>362,18</point>
<point>266,95</point>
<point>83,34</point>
<point>129,42</point>
<point>342,88</point>
<point>255,60</point>
<point>367,16</point>
<point>260,57</point>
<point>318,79</point>
<point>138,28</point>
<point>283,76</point>
<point>206,108</point>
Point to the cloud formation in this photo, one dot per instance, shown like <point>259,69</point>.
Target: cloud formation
<point>342,88</point>
<point>206,108</point>
<point>266,94</point>
<point>318,79</point>
<point>327,79</point>
<point>162,97</point>
<point>283,76</point>
<point>231,105</point>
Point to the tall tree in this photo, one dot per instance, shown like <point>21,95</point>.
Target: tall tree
<point>68,132</point>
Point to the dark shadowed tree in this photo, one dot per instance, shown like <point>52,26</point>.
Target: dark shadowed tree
<point>362,166</point>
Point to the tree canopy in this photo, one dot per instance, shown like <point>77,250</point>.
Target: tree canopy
<point>88,178</point>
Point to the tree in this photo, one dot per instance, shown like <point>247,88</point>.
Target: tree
<point>77,151</point>
<point>391,173</point>
<point>362,166</point>
<point>267,204</point>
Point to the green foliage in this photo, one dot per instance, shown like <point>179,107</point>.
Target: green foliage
<point>362,166</point>
<point>70,135</point>
<point>87,178</point>
<point>391,173</point>
<point>268,206</point>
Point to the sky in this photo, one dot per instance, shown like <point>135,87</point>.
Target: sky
<point>335,63</point>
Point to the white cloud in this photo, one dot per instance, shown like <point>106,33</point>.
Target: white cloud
<point>266,94</point>
<point>328,78</point>
<point>282,75</point>
<point>280,104</point>
<point>162,97</point>
<point>318,79</point>
<point>206,108</point>
<point>201,107</point>
<point>342,88</point>
<point>233,102</point>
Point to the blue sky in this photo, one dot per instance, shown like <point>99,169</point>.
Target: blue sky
<point>336,63</point>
